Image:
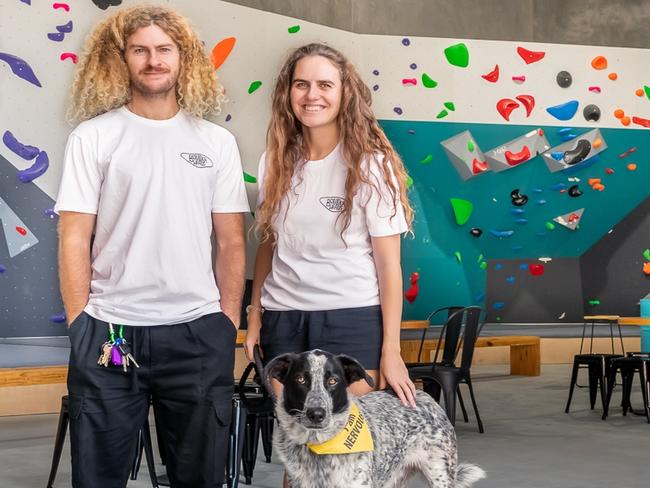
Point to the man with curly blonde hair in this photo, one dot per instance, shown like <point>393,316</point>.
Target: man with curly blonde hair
<point>150,318</point>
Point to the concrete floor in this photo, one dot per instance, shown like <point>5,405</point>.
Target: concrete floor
<point>529,441</point>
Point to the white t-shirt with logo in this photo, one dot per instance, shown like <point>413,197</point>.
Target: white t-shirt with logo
<point>153,185</point>
<point>312,267</point>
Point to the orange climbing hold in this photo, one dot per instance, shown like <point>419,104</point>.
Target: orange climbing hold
<point>221,51</point>
<point>593,181</point>
<point>612,76</point>
<point>639,92</point>
<point>631,166</point>
<point>597,143</point>
<point>646,268</point>
<point>625,121</point>
<point>598,187</point>
<point>618,113</point>
<point>599,62</point>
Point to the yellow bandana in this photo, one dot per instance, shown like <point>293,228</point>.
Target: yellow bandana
<point>355,437</point>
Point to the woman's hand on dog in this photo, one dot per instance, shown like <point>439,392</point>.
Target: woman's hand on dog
<point>393,372</point>
<point>253,334</point>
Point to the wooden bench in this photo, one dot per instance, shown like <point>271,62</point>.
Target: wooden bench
<point>524,351</point>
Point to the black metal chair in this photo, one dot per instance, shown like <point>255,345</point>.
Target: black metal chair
<point>597,364</point>
<point>627,366</point>
<point>460,331</point>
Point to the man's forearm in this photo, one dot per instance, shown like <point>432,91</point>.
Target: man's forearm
<point>74,275</point>
<point>230,269</point>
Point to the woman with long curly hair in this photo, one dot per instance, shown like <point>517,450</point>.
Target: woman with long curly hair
<point>149,320</point>
<point>332,205</point>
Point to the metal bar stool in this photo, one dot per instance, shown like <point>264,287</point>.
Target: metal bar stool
<point>598,364</point>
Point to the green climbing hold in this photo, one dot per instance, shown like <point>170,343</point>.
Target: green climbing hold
<point>470,146</point>
<point>550,225</point>
<point>249,178</point>
<point>254,86</point>
<point>428,82</point>
<point>459,258</point>
<point>646,254</point>
<point>594,302</point>
<point>483,265</point>
<point>458,55</point>
<point>462,209</point>
<point>480,258</point>
<point>646,89</point>
<point>442,114</point>
<point>293,29</point>
<point>427,159</point>
<point>409,182</point>
<point>450,106</point>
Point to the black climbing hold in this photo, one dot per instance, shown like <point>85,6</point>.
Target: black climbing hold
<point>592,113</point>
<point>564,79</point>
<point>579,153</point>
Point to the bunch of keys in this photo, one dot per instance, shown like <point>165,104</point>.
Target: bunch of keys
<point>116,351</point>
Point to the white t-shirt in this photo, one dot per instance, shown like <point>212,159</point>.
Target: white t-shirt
<point>312,268</point>
<point>153,185</point>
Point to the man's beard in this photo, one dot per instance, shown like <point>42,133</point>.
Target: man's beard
<point>158,91</point>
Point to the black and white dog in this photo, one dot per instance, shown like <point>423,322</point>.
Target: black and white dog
<point>315,407</point>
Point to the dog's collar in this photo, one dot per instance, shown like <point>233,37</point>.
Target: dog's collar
<point>355,436</point>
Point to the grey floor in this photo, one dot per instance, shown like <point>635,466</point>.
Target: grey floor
<point>529,441</point>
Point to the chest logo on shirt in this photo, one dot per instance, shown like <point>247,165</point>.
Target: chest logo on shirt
<point>333,204</point>
<point>197,160</point>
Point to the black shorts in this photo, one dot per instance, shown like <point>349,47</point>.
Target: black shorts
<point>186,372</point>
<point>357,332</point>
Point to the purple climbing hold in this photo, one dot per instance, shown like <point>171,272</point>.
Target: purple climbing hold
<point>375,87</point>
<point>20,68</point>
<point>2,268</point>
<point>228,117</point>
<point>406,41</point>
<point>65,28</point>
<point>56,36</point>
<point>37,169</point>
<point>398,110</point>
<point>375,72</point>
<point>22,150</point>
<point>413,66</point>
<point>49,212</point>
<point>58,319</point>
<point>116,357</point>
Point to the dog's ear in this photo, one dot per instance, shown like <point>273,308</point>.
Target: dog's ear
<point>353,370</point>
<point>279,367</point>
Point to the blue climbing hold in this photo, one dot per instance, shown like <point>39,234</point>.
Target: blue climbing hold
<point>510,279</point>
<point>558,187</point>
<point>523,266</point>
<point>498,305</point>
<point>521,221</point>
<point>498,266</point>
<point>541,201</point>
<point>501,233</point>
<point>564,130</point>
<point>564,111</point>
<point>558,155</point>
<point>517,211</point>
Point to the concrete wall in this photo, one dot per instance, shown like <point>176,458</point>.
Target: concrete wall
<point>593,22</point>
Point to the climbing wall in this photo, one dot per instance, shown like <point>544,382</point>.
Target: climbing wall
<point>499,140</point>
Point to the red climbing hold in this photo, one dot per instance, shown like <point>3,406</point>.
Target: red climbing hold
<point>493,75</point>
<point>609,171</point>
<point>641,122</point>
<point>536,269</point>
<point>528,101</point>
<point>530,56</point>
<point>505,106</point>
<point>21,231</point>
<point>517,158</point>
<point>412,293</point>
<point>479,167</point>
<point>409,81</point>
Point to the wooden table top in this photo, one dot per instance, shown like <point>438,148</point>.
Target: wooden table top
<point>414,324</point>
<point>639,321</point>
<point>604,318</point>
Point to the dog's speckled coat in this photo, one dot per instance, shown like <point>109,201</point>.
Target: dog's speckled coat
<point>406,439</point>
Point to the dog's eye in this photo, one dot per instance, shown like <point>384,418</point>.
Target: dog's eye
<point>300,379</point>
<point>332,381</point>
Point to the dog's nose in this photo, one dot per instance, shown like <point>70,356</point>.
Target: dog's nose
<point>316,415</point>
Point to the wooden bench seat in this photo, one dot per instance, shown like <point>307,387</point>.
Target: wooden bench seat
<point>524,351</point>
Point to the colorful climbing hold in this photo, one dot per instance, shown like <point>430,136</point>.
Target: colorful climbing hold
<point>65,28</point>
<point>413,66</point>
<point>498,305</point>
<point>519,78</point>
<point>375,87</point>
<point>597,143</point>
<point>462,209</point>
<point>528,101</point>
<point>20,68</point>
<point>612,76</point>
<point>641,122</point>
<point>470,146</point>
<point>228,117</point>
<point>476,232</point>
<point>514,159</point>
<point>619,113</point>
<point>646,254</point>
<point>427,159</point>
<point>21,230</point>
<point>631,166</point>
<point>406,41</point>
<point>646,269</point>
<point>459,258</point>
<point>594,89</point>
<point>564,111</point>
<point>536,269</point>
<point>483,265</point>
<point>221,51</point>
<point>479,167</point>
<point>22,150</point>
<point>550,226</point>
<point>510,279</point>
<point>62,5</point>
<point>41,163</point>
<point>409,82</point>
<point>599,62</point>
<point>450,106</point>
<point>428,82</point>
<point>492,76</point>
<point>409,182</point>
<point>594,302</point>
<point>457,55</point>
<point>627,153</point>
<point>505,106</point>
<point>498,266</point>
<point>254,86</point>
<point>609,171</point>
<point>412,293</point>
<point>625,120</point>
<point>442,114</point>
<point>294,29</point>
<point>591,113</point>
<point>398,110</point>
<point>249,178</point>
<point>2,269</point>
<point>375,72</point>
<point>530,56</point>
<point>646,89</point>
<point>501,233</point>
<point>58,319</point>
<point>639,92</point>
